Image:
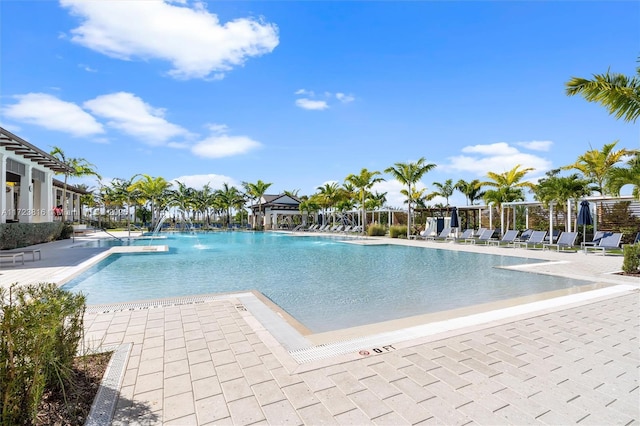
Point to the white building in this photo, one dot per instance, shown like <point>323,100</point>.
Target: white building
<point>27,176</point>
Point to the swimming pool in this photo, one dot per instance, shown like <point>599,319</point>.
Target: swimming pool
<point>324,283</point>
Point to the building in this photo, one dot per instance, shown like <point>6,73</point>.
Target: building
<point>31,194</point>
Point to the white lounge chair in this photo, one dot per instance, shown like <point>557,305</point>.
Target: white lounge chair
<point>466,234</point>
<point>443,235</point>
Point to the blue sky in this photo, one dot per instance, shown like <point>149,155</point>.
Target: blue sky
<point>300,93</point>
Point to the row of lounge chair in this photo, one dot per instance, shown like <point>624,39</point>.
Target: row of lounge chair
<point>329,228</point>
<point>602,241</point>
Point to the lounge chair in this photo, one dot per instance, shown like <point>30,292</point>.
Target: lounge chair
<point>566,240</point>
<point>525,235</point>
<point>486,235</point>
<point>508,239</point>
<point>466,234</point>
<point>596,239</point>
<point>536,237</point>
<point>443,235</point>
<point>607,242</point>
<point>13,257</point>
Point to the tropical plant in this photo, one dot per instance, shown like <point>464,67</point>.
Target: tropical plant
<point>154,190</point>
<point>75,167</point>
<point>409,174</point>
<point>597,164</point>
<point>560,189</point>
<point>363,182</point>
<point>327,197</point>
<point>229,197</point>
<point>471,190</point>
<point>618,93</point>
<point>621,176</point>
<point>508,186</point>
<point>445,190</point>
<point>256,191</point>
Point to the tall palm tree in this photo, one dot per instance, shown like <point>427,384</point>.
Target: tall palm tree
<point>256,191</point>
<point>76,167</point>
<point>621,176</point>
<point>471,190</point>
<point>508,186</point>
<point>229,197</point>
<point>153,190</point>
<point>183,198</point>
<point>445,189</point>
<point>618,93</point>
<point>597,164</point>
<point>409,174</point>
<point>363,182</point>
<point>327,197</point>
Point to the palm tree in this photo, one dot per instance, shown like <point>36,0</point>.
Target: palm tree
<point>618,93</point>
<point>621,176</point>
<point>508,186</point>
<point>229,197</point>
<point>471,190</point>
<point>256,191</point>
<point>153,190</point>
<point>183,198</point>
<point>363,183</point>
<point>76,167</point>
<point>561,189</point>
<point>597,164</point>
<point>327,197</point>
<point>409,174</point>
<point>444,189</point>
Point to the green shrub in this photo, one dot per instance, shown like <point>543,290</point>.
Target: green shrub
<point>631,262</point>
<point>376,230</point>
<point>40,329</point>
<point>66,232</point>
<point>398,232</point>
<point>14,235</point>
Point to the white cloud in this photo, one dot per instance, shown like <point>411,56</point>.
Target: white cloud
<point>499,148</point>
<point>304,92</point>
<point>196,43</point>
<point>305,103</point>
<point>217,128</point>
<point>219,146</point>
<point>498,158</point>
<point>536,145</point>
<point>345,99</point>
<point>214,181</point>
<point>52,113</point>
<point>131,115</point>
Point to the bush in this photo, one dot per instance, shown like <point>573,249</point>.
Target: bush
<point>14,235</point>
<point>376,230</point>
<point>40,330</point>
<point>398,232</point>
<point>631,262</point>
<point>66,232</point>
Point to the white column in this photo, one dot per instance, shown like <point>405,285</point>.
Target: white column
<point>569,215</point>
<point>551,223</point>
<point>25,201</point>
<point>46,196</point>
<point>3,186</point>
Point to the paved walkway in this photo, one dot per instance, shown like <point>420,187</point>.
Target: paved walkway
<point>215,360</point>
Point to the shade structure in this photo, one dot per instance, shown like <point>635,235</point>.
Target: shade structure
<point>584,218</point>
<point>454,218</point>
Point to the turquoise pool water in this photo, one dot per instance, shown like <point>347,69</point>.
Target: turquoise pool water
<point>324,283</point>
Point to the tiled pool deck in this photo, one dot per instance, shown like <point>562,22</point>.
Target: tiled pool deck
<point>224,360</point>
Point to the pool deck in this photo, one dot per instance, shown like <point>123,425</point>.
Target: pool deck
<point>229,359</point>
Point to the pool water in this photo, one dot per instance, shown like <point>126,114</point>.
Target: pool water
<point>324,283</point>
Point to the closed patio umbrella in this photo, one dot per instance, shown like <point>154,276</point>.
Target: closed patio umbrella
<point>584,218</point>
<point>454,220</point>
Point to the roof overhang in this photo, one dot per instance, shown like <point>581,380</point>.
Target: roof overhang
<point>19,146</point>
